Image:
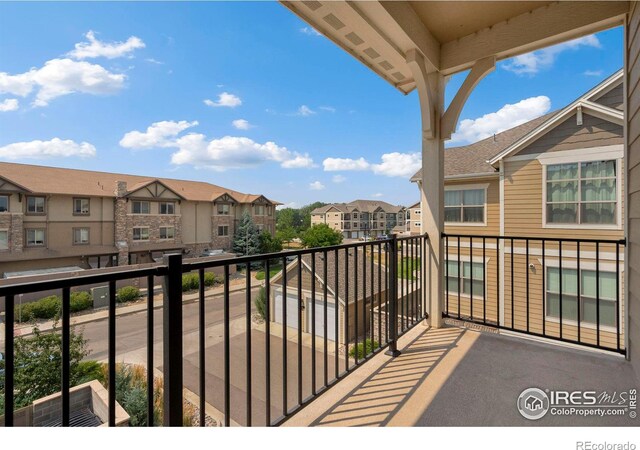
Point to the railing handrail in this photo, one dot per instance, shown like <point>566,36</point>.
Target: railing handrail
<point>622,241</point>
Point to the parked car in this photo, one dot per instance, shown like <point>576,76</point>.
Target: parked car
<point>206,253</point>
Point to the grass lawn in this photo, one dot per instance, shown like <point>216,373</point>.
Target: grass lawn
<point>273,269</point>
<point>407,266</point>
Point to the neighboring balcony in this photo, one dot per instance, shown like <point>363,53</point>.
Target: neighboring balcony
<point>260,345</point>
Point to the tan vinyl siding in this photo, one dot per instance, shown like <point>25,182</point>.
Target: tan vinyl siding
<point>594,132</point>
<point>633,158</point>
<point>493,208</point>
<point>523,205</point>
<point>613,99</point>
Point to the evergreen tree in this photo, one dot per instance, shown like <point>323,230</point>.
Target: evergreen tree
<point>246,240</point>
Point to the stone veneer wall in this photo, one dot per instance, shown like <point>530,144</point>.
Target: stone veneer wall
<point>154,222</point>
<point>120,223</point>
<point>14,223</point>
<point>222,242</point>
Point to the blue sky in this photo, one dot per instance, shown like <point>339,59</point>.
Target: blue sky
<point>243,95</point>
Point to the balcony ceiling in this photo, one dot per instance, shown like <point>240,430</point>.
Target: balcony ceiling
<point>450,36</point>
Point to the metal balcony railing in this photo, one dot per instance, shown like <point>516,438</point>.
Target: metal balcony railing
<point>374,288</point>
<point>562,289</point>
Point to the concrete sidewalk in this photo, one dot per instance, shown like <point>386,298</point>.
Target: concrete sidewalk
<point>124,310</point>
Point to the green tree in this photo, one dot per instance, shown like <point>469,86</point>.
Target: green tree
<point>305,213</point>
<point>270,243</point>
<point>288,218</point>
<point>261,303</point>
<point>321,235</point>
<point>246,240</point>
<point>38,364</point>
<point>286,234</point>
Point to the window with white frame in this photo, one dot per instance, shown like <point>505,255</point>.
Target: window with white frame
<point>4,203</point>
<point>583,193</point>
<point>140,207</point>
<point>4,239</point>
<point>141,233</point>
<point>167,208</point>
<point>587,300</point>
<point>458,277</point>
<point>464,205</point>
<point>167,232</point>
<point>35,205</point>
<point>35,237</point>
<point>81,206</point>
<point>80,236</point>
<point>223,209</point>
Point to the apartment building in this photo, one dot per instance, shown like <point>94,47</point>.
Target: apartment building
<point>360,218</point>
<point>414,219</point>
<point>52,217</point>
<point>557,176</point>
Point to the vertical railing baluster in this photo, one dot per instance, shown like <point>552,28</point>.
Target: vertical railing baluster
<point>201,345</point>
<point>355,300</point>
<point>544,289</point>
<point>484,280</point>
<point>459,278</point>
<point>597,294</point>
<point>248,341</point>
<point>512,289</point>
<point>325,295</point>
<point>66,360</point>
<point>402,275</point>
<point>498,262</point>
<point>618,296</point>
<point>9,352</point>
<point>285,360</point>
<point>150,342</point>
<point>112,354</point>
<point>560,272</point>
<point>371,296</point>
<point>386,292</point>
<point>227,351</point>
<point>365,321</point>
<point>379,295</point>
<point>172,340</point>
<point>299,311</point>
<point>579,289</point>
<point>346,309</point>
<point>393,295</point>
<point>446,274</point>
<point>267,349</point>
<point>336,313</point>
<point>527,279</point>
<point>471,275</point>
<point>313,323</point>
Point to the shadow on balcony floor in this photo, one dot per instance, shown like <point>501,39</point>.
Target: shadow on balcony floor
<point>460,377</point>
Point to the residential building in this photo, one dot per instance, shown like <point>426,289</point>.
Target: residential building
<point>559,176</point>
<point>414,218</point>
<point>52,217</point>
<point>360,218</point>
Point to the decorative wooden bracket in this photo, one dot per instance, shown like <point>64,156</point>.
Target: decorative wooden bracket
<point>480,69</point>
<point>426,92</point>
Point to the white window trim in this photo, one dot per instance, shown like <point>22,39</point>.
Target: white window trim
<point>141,240</point>
<point>141,213</point>
<point>160,213</point>
<point>88,236</point>
<point>469,187</point>
<point>167,238</point>
<point>44,237</point>
<point>591,266</point>
<point>608,153</point>
<point>5,230</point>
<point>463,259</point>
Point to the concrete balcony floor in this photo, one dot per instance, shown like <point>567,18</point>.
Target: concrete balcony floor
<point>456,376</point>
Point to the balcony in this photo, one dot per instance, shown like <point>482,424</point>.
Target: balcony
<point>345,327</point>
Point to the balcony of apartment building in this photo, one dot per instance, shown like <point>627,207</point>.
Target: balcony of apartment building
<point>434,329</point>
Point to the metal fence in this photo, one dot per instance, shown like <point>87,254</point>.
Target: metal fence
<point>374,289</point>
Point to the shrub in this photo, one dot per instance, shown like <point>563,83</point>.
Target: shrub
<point>261,303</point>
<point>47,308</point>
<point>210,279</point>
<point>190,282</point>
<point>80,301</point>
<point>127,294</point>
<point>363,348</point>
<point>134,401</point>
<point>89,371</point>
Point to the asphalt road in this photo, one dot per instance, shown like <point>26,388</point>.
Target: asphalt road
<point>131,345</point>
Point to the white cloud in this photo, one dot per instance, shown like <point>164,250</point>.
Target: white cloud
<point>377,195</point>
<point>154,61</point>
<point>592,73</point>
<point>310,31</point>
<point>509,116</point>
<point>398,164</point>
<point>316,186</point>
<point>225,99</point>
<point>159,134</point>
<point>228,152</point>
<point>9,104</point>
<point>305,111</point>
<point>339,179</point>
<point>110,50</point>
<point>534,62</point>
<point>241,124</point>
<point>60,77</point>
<point>55,148</point>
<point>330,109</point>
<point>340,164</point>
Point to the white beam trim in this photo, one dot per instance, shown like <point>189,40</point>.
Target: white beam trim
<point>544,26</point>
<point>480,69</point>
<point>416,63</point>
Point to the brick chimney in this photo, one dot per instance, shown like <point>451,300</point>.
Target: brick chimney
<point>121,188</point>
<point>120,218</point>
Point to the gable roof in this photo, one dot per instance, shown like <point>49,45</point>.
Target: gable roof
<point>55,180</point>
<point>481,158</point>
<point>365,206</point>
